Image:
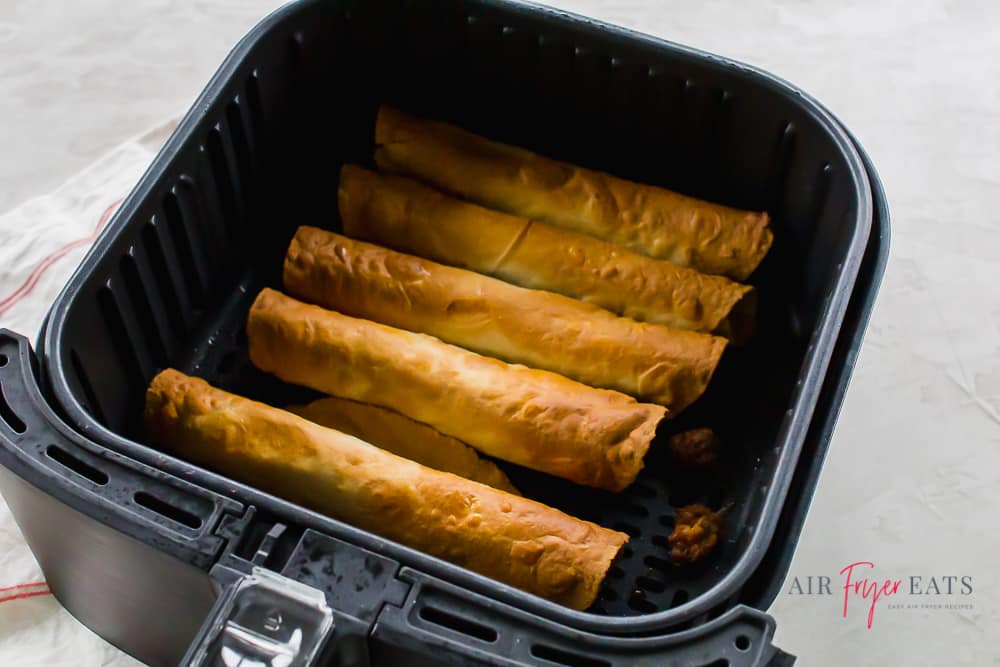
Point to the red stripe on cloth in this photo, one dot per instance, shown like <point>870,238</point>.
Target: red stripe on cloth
<point>33,584</point>
<point>43,265</point>
<point>23,596</point>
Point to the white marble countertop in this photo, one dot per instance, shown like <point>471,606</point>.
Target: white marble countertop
<point>911,481</point>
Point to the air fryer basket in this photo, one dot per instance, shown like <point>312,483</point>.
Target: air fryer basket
<point>170,281</point>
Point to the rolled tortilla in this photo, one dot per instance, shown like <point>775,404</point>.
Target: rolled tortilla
<point>543,330</point>
<point>404,215</point>
<point>512,539</point>
<point>404,437</point>
<point>534,418</point>
<point>643,218</point>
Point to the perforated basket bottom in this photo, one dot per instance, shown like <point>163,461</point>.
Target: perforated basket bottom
<point>642,580</point>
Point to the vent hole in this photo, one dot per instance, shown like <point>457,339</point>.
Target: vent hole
<point>638,602</point>
<point>239,137</point>
<point>81,468</point>
<point>650,584</point>
<point>661,564</point>
<point>608,594</point>
<point>120,340</point>
<point>164,508</point>
<point>253,98</point>
<point>458,624</point>
<point>161,274</point>
<point>616,572</point>
<point>143,310</point>
<point>182,243</point>
<point>636,510</point>
<point>742,643</point>
<point>561,657</point>
<point>241,149</point>
<point>223,183</point>
<point>9,416</point>
<point>87,387</point>
<point>667,521</point>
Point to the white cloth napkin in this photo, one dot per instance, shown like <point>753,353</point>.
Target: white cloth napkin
<point>41,243</point>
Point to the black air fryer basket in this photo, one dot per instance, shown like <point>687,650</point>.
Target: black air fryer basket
<point>144,547</point>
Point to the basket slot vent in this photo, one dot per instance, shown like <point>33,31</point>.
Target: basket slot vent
<point>244,167</point>
<point>252,114</point>
<point>650,584</point>
<point>121,339</point>
<point>558,656</point>
<point>657,563</point>
<point>661,540</point>
<point>74,464</point>
<point>210,243</point>
<point>185,254</point>
<point>225,188</point>
<point>784,156</point>
<point>458,624</point>
<point>83,378</point>
<point>138,296</point>
<point>637,602</point>
<point>165,509</point>
<point>10,417</point>
<point>162,278</point>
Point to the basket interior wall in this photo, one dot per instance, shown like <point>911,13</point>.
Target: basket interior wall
<point>173,287</point>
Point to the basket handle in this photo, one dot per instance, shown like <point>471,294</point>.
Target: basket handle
<point>264,619</point>
<point>141,501</point>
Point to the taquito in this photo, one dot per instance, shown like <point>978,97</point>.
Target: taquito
<point>407,216</point>
<point>540,329</point>
<point>646,219</point>
<point>534,418</point>
<point>404,437</point>
<point>515,540</point>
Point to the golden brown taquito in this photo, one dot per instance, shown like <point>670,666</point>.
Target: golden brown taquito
<point>405,215</point>
<point>534,418</point>
<point>540,329</point>
<point>646,219</point>
<point>515,540</point>
<point>404,437</point>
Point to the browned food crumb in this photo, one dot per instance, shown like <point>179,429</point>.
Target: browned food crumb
<point>696,448</point>
<point>695,534</point>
